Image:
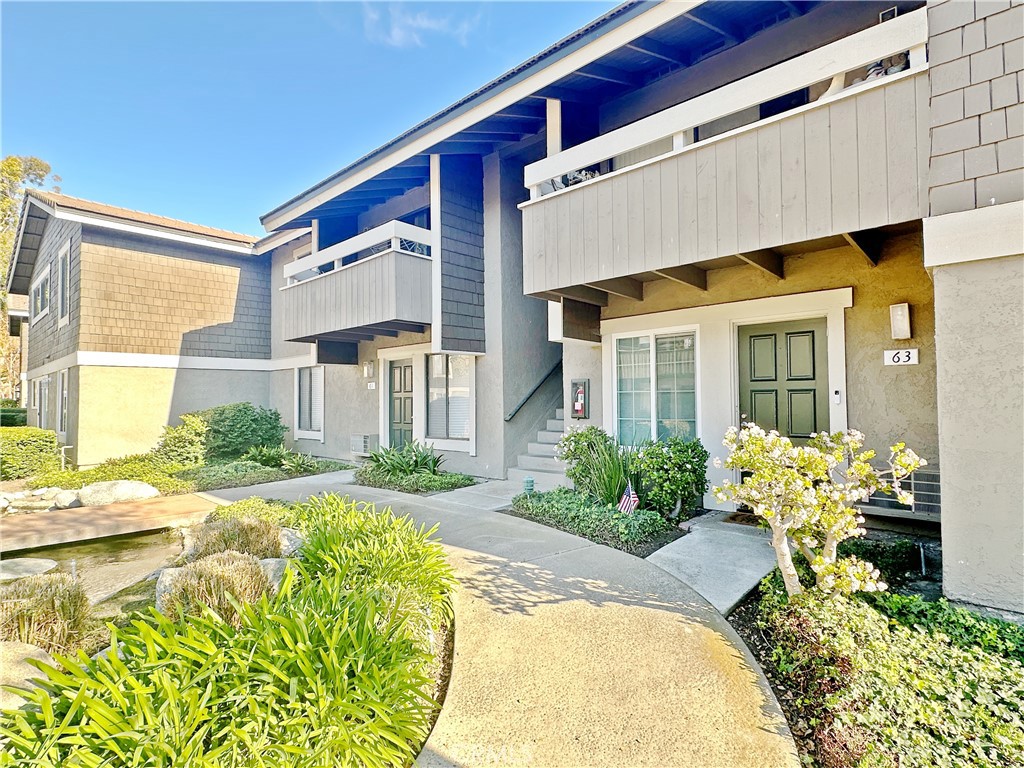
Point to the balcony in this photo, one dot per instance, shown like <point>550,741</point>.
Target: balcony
<point>667,196</point>
<point>376,283</point>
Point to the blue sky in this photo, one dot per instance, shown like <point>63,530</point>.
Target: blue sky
<point>217,112</point>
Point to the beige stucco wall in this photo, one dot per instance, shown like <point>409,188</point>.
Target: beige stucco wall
<point>887,403</point>
<point>120,411</point>
<point>980,336</point>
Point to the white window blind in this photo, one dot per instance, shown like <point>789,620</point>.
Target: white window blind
<point>310,394</point>
<point>449,390</point>
<point>42,404</point>
<point>64,278</point>
<point>655,380</point>
<point>62,402</point>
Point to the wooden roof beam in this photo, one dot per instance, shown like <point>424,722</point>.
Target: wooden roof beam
<point>649,47</point>
<point>868,244</point>
<point>611,75</point>
<point>626,287</point>
<point>687,274</point>
<point>584,294</point>
<point>766,260</point>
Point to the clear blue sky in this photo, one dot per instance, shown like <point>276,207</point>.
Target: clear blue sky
<point>217,112</point>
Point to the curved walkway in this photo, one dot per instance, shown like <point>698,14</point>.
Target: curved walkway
<point>572,654</point>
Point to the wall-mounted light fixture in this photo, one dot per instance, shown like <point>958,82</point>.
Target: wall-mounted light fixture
<point>368,371</point>
<point>899,321</point>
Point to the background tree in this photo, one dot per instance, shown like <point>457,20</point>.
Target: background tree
<point>16,174</point>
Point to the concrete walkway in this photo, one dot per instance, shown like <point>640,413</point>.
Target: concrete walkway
<point>568,653</point>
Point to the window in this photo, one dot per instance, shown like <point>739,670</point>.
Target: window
<point>449,378</point>
<point>62,402</point>
<point>309,402</point>
<point>63,282</point>
<point>668,408</point>
<point>39,302</point>
<point>42,398</point>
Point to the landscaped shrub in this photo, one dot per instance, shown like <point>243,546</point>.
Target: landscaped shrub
<point>213,581</point>
<point>299,464</point>
<point>276,512</point>
<point>25,451</point>
<point>893,559</point>
<point>572,511</point>
<point>674,475</point>
<point>332,671</point>
<point>50,611</point>
<point>418,483</point>
<point>13,417</point>
<point>883,694</point>
<point>410,459</point>
<point>231,475</point>
<point>248,535</point>
<point>268,456</point>
<point>146,468</point>
<point>9,402</point>
<point>184,444</point>
<point>577,449</point>
<point>235,428</point>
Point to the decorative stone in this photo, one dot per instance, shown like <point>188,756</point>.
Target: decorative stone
<point>49,494</point>
<point>291,542</point>
<point>20,567</point>
<point>16,671</point>
<point>66,500</point>
<point>275,567</point>
<point>39,492</point>
<point>32,504</point>
<point>114,491</point>
<point>163,586</point>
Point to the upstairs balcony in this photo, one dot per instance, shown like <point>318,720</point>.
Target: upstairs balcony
<point>713,182</point>
<point>376,283</point>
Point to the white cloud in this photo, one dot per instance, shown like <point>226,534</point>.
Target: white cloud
<point>401,27</point>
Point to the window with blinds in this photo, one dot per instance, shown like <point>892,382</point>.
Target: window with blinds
<point>62,402</point>
<point>310,401</point>
<point>656,387</point>
<point>449,378</point>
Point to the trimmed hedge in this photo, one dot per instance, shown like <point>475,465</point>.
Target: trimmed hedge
<point>25,451</point>
<point>13,417</point>
<point>416,483</point>
<point>234,474</point>
<point>237,427</point>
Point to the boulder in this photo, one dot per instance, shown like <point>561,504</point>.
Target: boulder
<point>291,542</point>
<point>275,567</point>
<point>16,671</point>
<point>163,586</point>
<point>20,567</point>
<point>49,494</point>
<point>67,500</point>
<point>114,491</point>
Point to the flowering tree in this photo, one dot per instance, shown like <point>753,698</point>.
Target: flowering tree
<point>807,494</point>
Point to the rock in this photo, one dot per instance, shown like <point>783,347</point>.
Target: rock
<point>163,586</point>
<point>66,500</point>
<point>113,491</point>
<point>49,494</point>
<point>29,505</point>
<point>39,492</point>
<point>291,542</point>
<point>20,567</point>
<point>4,503</point>
<point>274,567</point>
<point>15,670</point>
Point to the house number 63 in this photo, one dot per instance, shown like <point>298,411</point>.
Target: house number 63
<point>900,357</point>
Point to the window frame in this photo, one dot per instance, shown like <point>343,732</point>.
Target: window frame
<point>653,334</point>
<point>317,371</point>
<point>44,277</point>
<point>62,402</point>
<point>447,397</point>
<point>64,285</point>
<point>42,401</point>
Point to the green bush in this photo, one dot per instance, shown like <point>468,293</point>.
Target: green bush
<point>333,671</point>
<point>268,456</point>
<point>248,535</point>
<point>578,449</point>
<point>184,444</point>
<point>574,512</point>
<point>673,475</point>
<point>278,513</point>
<point>417,483</point>
<point>300,464</point>
<point>146,468</point>
<point>13,417</point>
<point>9,402</point>
<point>235,428</point>
<point>25,451</point>
<point>50,611</point>
<point>883,694</point>
<point>410,459</point>
<point>235,474</point>
<point>893,559</point>
<point>218,581</point>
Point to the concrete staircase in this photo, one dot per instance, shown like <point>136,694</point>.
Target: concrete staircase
<point>539,461</point>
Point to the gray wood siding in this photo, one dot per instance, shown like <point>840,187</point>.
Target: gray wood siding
<point>462,254</point>
<point>48,340</point>
<point>854,164</point>
<point>393,286</point>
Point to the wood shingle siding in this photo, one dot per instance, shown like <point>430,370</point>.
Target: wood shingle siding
<point>462,254</point>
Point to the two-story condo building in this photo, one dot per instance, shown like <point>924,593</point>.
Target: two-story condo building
<point>684,216</point>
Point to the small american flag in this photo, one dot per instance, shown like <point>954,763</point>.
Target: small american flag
<point>629,501</point>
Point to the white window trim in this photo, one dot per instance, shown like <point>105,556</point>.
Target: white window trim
<point>62,404</point>
<point>652,334</point>
<point>419,353</point>
<point>63,285</point>
<point>44,276</point>
<point>304,434</point>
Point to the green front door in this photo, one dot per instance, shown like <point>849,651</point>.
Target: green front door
<point>784,377</point>
<point>400,382</point>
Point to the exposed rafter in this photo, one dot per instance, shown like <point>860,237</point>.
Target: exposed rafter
<point>687,274</point>
<point>658,50</point>
<point>868,244</point>
<point>611,75</point>
<point>626,287</point>
<point>719,27</point>
<point>522,112</point>
<point>463,148</point>
<point>766,260</point>
<point>584,294</point>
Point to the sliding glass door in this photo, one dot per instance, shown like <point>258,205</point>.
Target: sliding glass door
<point>656,387</point>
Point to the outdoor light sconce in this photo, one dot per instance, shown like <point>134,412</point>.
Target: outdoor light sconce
<point>899,320</point>
<point>368,369</point>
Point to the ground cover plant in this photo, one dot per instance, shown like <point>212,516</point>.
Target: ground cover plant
<point>412,468</point>
<point>50,611</point>
<point>220,582</point>
<point>277,512</point>
<point>25,451</point>
<point>332,670</point>
<point>571,511</point>
<point>145,467</point>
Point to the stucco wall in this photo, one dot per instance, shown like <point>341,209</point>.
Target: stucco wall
<point>887,403</point>
<point>980,337</point>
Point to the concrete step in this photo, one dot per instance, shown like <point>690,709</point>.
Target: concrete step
<point>560,413</point>
<point>556,425</point>
<point>548,436</point>
<point>541,463</point>
<point>540,449</point>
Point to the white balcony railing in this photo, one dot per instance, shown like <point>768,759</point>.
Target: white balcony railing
<point>387,238</point>
<point>832,62</point>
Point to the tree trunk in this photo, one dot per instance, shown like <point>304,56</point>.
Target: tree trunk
<point>784,556</point>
